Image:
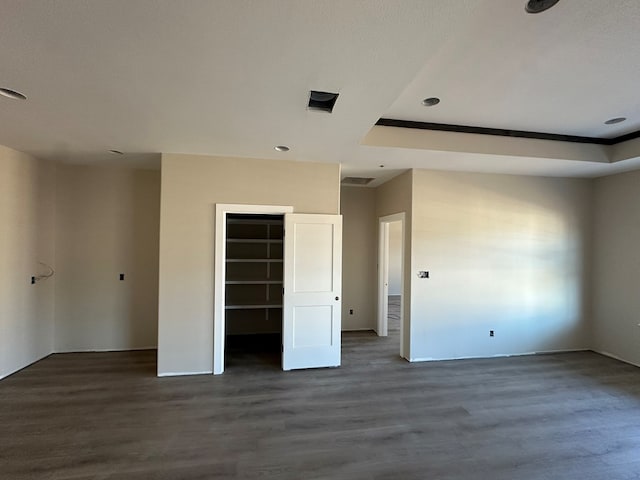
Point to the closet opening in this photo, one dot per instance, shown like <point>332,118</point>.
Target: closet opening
<point>253,297</point>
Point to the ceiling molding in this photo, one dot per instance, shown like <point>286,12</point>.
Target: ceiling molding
<point>624,138</point>
<point>500,132</point>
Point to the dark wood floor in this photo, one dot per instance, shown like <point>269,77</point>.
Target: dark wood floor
<point>106,416</point>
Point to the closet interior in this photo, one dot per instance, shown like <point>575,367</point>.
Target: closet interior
<point>253,289</point>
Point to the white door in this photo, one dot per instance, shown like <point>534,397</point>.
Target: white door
<point>312,291</point>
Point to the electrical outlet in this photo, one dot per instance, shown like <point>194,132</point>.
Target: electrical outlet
<point>33,280</point>
<point>491,333</point>
<point>122,276</point>
<point>351,311</point>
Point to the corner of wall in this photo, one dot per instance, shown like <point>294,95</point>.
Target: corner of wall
<point>589,264</point>
<point>615,236</point>
<point>26,238</point>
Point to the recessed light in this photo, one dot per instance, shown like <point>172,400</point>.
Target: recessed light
<point>537,6</point>
<point>281,148</point>
<point>7,92</point>
<point>431,101</point>
<point>613,121</point>
<point>381,166</point>
<point>116,152</point>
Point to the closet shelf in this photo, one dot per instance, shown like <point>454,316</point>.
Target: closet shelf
<point>251,307</point>
<point>254,268</point>
<point>254,260</point>
<point>254,282</point>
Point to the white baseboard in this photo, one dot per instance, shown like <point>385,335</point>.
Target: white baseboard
<point>499,355</point>
<point>565,350</point>
<point>180,374</point>
<point>359,330</point>
<point>102,350</point>
<point>24,366</point>
<point>615,357</point>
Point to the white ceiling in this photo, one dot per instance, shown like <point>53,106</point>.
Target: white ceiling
<point>566,70</point>
<point>233,78</point>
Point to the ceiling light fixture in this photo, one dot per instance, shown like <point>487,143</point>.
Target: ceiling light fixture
<point>613,121</point>
<point>537,6</point>
<point>116,152</point>
<point>281,148</point>
<point>7,92</point>
<point>431,101</point>
<point>381,166</point>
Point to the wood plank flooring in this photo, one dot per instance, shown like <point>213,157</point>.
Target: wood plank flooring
<point>106,416</point>
<point>393,314</point>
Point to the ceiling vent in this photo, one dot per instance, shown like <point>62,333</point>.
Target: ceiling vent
<point>322,101</point>
<point>360,181</point>
<point>537,6</point>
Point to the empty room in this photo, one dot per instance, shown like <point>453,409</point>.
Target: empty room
<point>319,239</point>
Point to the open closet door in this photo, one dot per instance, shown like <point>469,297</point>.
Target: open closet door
<point>312,290</point>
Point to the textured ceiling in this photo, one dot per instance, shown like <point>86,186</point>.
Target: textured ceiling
<point>233,77</point>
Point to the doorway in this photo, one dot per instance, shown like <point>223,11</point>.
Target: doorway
<point>253,290</point>
<point>223,213</point>
<point>391,278</point>
<point>298,287</point>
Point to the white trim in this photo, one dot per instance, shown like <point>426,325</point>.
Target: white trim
<point>615,357</point>
<point>499,355</point>
<point>222,209</point>
<point>563,350</point>
<point>8,374</point>
<point>99,350</point>
<point>383,276</point>
<point>180,374</point>
<point>383,279</point>
<point>364,329</point>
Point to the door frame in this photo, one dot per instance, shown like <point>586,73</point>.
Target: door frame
<point>383,275</point>
<point>222,209</point>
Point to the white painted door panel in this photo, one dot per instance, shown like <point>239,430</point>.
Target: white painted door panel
<point>312,290</point>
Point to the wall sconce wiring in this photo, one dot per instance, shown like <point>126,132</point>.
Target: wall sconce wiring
<point>50,272</point>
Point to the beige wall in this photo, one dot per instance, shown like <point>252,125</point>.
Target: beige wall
<point>107,224</point>
<point>359,258</point>
<point>505,253</point>
<point>396,196</point>
<point>616,276</point>
<point>27,216</point>
<point>191,187</point>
